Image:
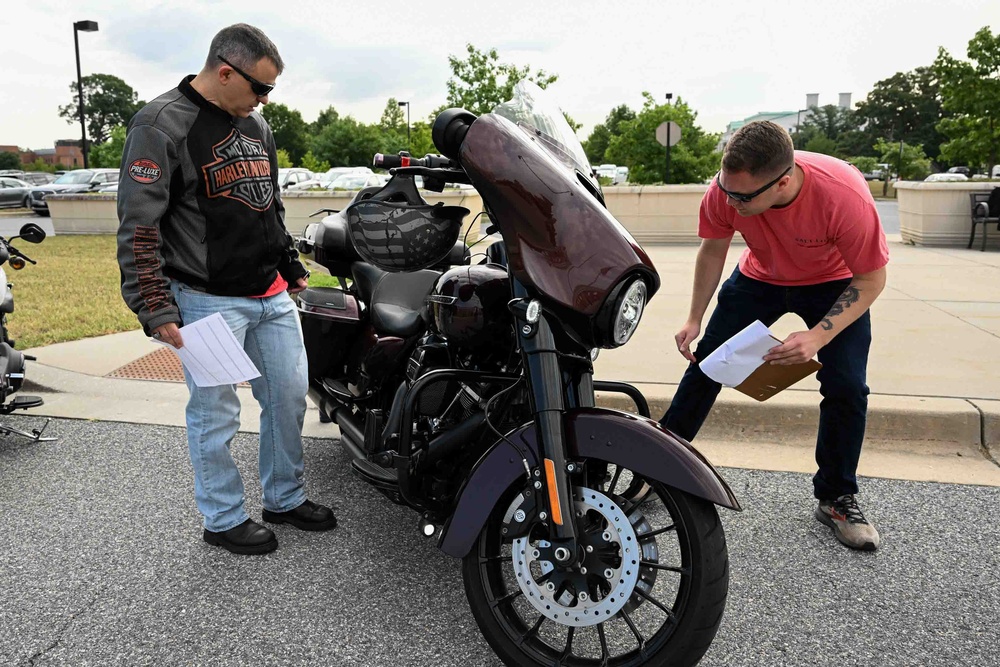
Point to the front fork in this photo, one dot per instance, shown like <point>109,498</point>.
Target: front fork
<point>548,403</point>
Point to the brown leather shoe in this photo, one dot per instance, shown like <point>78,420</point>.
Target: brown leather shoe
<point>307,516</point>
<point>248,538</point>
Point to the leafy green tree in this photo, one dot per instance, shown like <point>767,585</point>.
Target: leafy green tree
<point>10,160</point>
<point>821,143</point>
<point>866,164</point>
<point>326,116</point>
<point>907,105</point>
<point>108,102</point>
<point>290,131</point>
<point>284,160</point>
<point>600,137</point>
<point>970,91</point>
<point>911,163</point>
<point>480,81</point>
<point>345,142</point>
<point>393,117</point>
<point>310,162</point>
<point>421,142</point>
<point>109,154</point>
<point>41,165</point>
<point>692,160</point>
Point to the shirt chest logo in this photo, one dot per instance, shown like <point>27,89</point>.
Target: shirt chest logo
<point>813,243</point>
<point>241,171</point>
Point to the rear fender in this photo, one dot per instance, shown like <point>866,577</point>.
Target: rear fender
<point>636,443</point>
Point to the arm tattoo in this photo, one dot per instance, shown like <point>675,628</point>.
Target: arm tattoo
<point>850,295</point>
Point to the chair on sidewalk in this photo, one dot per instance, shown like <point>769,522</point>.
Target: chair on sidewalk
<point>985,210</point>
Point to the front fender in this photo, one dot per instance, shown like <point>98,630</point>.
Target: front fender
<point>620,438</point>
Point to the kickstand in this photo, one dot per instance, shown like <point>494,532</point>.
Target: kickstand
<point>34,436</point>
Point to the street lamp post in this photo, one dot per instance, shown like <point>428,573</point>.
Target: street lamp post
<point>407,105</point>
<point>666,175</point>
<point>78,27</point>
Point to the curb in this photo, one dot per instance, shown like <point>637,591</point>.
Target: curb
<point>942,426</point>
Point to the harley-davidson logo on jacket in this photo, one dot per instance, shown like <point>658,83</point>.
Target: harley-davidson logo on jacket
<point>241,171</point>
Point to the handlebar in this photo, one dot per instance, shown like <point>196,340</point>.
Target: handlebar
<point>382,161</point>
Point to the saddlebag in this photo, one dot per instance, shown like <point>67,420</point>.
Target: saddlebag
<point>330,320</point>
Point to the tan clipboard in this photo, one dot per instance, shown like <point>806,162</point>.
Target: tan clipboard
<point>768,379</point>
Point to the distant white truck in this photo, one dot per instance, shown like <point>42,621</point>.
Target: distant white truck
<point>612,172</point>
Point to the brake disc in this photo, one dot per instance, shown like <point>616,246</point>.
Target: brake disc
<point>601,584</point>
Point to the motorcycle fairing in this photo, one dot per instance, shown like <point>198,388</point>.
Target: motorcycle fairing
<point>619,438</point>
<point>560,239</point>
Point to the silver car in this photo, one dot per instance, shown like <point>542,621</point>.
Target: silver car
<point>14,192</point>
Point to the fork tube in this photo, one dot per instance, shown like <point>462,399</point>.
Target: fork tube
<point>548,406</point>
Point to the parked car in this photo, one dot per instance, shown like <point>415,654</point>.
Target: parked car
<point>621,175</point>
<point>293,176</point>
<point>14,192</point>
<point>78,180</point>
<point>355,181</point>
<point>946,176</point>
<point>37,177</point>
<point>960,170</point>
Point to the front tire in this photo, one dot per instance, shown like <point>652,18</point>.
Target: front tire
<point>674,607</point>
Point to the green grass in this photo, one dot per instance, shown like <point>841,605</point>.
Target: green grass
<point>73,292</point>
<point>876,189</point>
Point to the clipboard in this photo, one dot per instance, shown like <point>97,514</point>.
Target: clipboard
<point>768,379</point>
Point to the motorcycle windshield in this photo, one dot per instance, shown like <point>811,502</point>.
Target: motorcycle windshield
<point>535,112</point>
<point>560,238</point>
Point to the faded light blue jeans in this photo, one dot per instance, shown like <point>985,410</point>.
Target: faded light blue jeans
<point>268,328</point>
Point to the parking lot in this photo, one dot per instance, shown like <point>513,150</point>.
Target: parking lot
<point>101,563</point>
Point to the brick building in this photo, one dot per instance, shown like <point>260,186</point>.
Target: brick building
<point>66,153</point>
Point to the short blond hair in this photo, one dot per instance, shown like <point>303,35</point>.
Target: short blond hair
<point>759,148</point>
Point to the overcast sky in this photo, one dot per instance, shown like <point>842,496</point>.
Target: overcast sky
<point>728,60</point>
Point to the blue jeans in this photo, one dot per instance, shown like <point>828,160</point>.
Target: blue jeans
<point>269,331</point>
<point>843,410</point>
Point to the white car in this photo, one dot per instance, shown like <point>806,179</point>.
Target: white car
<point>355,182</point>
<point>287,177</point>
<point>946,177</point>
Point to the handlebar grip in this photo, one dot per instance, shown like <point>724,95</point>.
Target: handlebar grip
<point>393,161</point>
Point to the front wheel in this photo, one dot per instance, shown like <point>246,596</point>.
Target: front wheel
<point>650,587</point>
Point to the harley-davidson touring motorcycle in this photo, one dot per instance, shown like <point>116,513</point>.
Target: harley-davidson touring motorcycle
<point>11,360</point>
<point>463,387</point>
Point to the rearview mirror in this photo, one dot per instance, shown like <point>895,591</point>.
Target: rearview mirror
<point>32,233</point>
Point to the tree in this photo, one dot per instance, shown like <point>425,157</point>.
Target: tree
<point>832,130</point>
<point>109,154</point>
<point>10,160</point>
<point>108,102</point>
<point>910,164</point>
<point>314,165</point>
<point>284,161</point>
<point>345,142</point>
<point>970,91</point>
<point>421,142</point>
<point>821,143</point>
<point>906,105</point>
<point>480,82</point>
<point>393,117</point>
<point>693,160</point>
<point>326,116</point>
<point>290,132</point>
<point>597,143</point>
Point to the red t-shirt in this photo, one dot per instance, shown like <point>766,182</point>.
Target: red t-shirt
<point>830,231</point>
<point>279,285</point>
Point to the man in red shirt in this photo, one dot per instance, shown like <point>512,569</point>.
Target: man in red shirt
<point>815,247</point>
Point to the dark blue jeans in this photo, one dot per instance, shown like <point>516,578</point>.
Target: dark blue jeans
<point>843,410</point>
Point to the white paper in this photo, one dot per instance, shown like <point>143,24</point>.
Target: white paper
<point>212,355</point>
<point>738,357</point>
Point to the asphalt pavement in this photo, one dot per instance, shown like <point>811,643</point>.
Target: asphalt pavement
<point>102,563</point>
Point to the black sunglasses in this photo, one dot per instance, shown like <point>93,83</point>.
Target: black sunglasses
<point>259,88</point>
<point>746,199</point>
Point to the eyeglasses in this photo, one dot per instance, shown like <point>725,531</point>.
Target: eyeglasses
<point>746,199</point>
<point>259,88</point>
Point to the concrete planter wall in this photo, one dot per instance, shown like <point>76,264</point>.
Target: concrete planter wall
<point>652,214</point>
<point>939,214</point>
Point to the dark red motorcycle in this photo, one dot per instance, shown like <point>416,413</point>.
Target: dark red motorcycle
<point>464,389</point>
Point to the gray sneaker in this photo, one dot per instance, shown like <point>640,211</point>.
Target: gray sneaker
<point>848,523</point>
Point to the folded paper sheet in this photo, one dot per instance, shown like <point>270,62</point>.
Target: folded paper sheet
<point>739,363</point>
<point>211,354</point>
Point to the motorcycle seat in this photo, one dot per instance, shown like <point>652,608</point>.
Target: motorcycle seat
<point>396,300</point>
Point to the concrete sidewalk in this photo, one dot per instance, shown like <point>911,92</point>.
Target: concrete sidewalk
<point>934,373</point>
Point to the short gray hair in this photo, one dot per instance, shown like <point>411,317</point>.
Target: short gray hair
<point>243,45</point>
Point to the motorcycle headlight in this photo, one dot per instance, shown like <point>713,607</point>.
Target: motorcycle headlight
<point>630,308</point>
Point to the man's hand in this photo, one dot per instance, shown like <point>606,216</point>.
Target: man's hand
<point>798,348</point>
<point>300,284</point>
<point>685,337</point>
<point>169,333</point>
